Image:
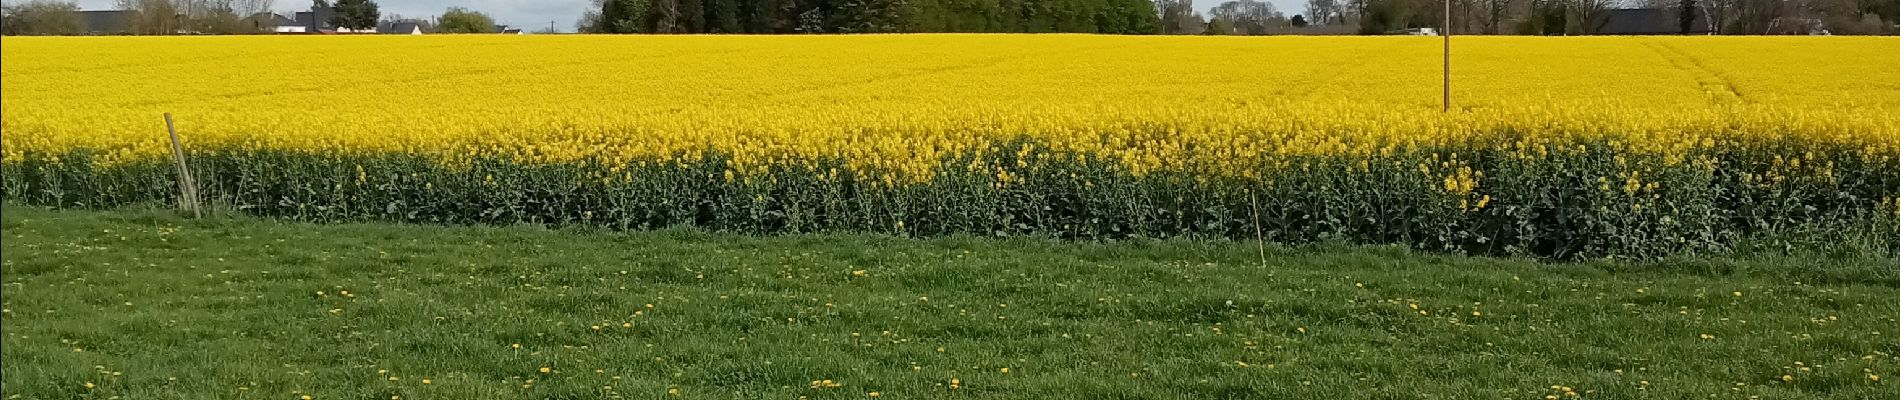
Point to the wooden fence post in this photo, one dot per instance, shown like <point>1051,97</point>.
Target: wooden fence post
<point>187,187</point>
<point>1260,239</point>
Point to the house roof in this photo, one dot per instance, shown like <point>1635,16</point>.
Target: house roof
<point>401,27</point>
<point>1651,21</point>
<point>107,21</point>
<point>318,18</point>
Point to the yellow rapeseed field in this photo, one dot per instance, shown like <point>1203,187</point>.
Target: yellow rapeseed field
<point>576,96</point>
<point>747,114</point>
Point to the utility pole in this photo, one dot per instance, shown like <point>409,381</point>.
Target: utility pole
<point>1446,28</point>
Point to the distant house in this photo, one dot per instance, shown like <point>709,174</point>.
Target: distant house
<point>281,24</point>
<point>507,30</point>
<point>318,20</point>
<point>107,22</point>
<point>1652,21</point>
<point>404,27</point>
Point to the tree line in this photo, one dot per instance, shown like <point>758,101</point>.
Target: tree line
<point>1533,17</point>
<point>870,16</point>
<point>149,17</point>
<point>1234,17</point>
<point>1174,17</point>
<point>1575,17</point>
<point>217,17</point>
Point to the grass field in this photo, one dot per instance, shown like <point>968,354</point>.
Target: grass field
<point>139,304</point>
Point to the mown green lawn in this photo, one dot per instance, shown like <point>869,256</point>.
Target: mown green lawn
<point>142,304</point>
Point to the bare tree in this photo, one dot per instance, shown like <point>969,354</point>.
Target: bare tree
<point>1588,16</point>
<point>590,19</point>
<point>226,16</point>
<point>252,7</point>
<point>1325,12</point>
<point>1246,17</point>
<point>1757,17</point>
<point>41,17</point>
<point>1848,17</point>
<point>214,17</point>
<point>153,17</point>
<point>1465,16</point>
<point>666,16</point>
<point>1720,14</point>
<point>1178,17</point>
<point>1491,14</point>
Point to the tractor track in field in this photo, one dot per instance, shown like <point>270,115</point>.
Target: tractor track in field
<point>1710,80</point>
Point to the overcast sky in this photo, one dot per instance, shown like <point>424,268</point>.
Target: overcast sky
<point>535,14</point>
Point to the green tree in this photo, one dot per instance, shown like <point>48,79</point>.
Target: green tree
<point>864,16</point>
<point>462,20</point>
<point>356,14</point>
<point>767,16</point>
<point>616,16</point>
<point>808,16</point>
<point>1127,17</point>
<point>722,16</point>
<point>1381,16</point>
<point>1009,16</point>
<point>692,16</point>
